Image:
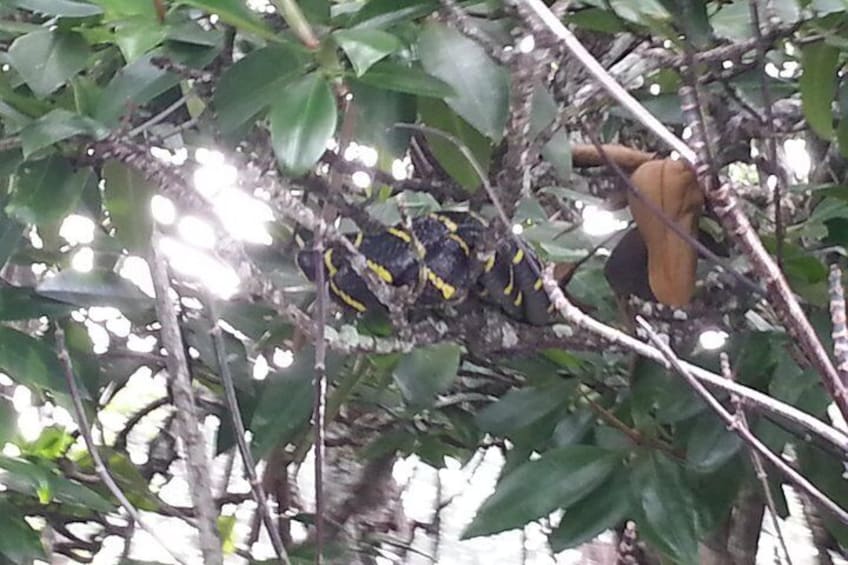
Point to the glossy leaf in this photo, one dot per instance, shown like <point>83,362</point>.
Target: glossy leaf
<point>668,508</point>
<point>481,86</point>
<point>733,20</point>
<point>236,13</point>
<point>427,371</point>
<point>384,13</point>
<point>95,288</point>
<point>47,190</point>
<point>138,35</point>
<point>519,408</point>
<point>8,420</point>
<point>828,474</point>
<point>691,15</point>
<point>557,479</point>
<point>127,195</point>
<point>56,126</point>
<point>818,86</point>
<point>573,428</point>
<point>253,83</point>
<point>61,8</point>
<point>141,81</point>
<point>284,405</point>
<point>710,444</point>
<point>30,361</point>
<point>47,59</point>
<point>303,119</point>
<point>19,543</point>
<point>364,47</point>
<point>602,509</point>
<point>437,115</point>
<point>23,303</point>
<point>379,109</point>
<point>401,78</point>
<point>11,234</point>
<point>38,480</point>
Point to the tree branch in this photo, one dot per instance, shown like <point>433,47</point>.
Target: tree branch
<point>239,431</point>
<point>194,444</point>
<point>99,464</point>
<point>742,431</point>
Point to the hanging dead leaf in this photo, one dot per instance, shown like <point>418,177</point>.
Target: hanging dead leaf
<point>625,157</point>
<point>674,189</point>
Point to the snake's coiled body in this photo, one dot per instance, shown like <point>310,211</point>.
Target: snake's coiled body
<point>439,253</point>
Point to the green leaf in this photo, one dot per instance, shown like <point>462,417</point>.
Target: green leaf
<point>252,84</point>
<point>8,420</point>
<point>602,509</point>
<point>303,119</point>
<point>385,13</point>
<point>35,479</point>
<point>47,190</point>
<point>137,35</point>
<point>23,303</point>
<point>19,543</point>
<point>364,47</point>
<point>733,21</point>
<point>692,16</point>
<point>668,508</point>
<point>61,8</point>
<point>436,114</point>
<point>557,479</point>
<point>30,361</point>
<point>818,86</point>
<point>481,86</point>
<point>11,234</point>
<point>378,110</point>
<point>141,81</point>
<point>828,474</point>
<point>285,404</point>
<point>427,371</point>
<point>235,13</point>
<point>47,59</point>
<point>557,151</point>
<point>118,9</point>
<point>519,408</point>
<point>126,195</point>
<point>55,126</point>
<point>95,288</point>
<point>596,19</point>
<point>411,80</point>
<point>573,428</point>
<point>710,444</point>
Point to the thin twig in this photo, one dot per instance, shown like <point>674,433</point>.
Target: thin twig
<point>319,396</point>
<point>609,83</point>
<point>724,203</point>
<point>742,431</point>
<point>580,320</point>
<point>194,444</point>
<point>99,464</point>
<point>160,116</point>
<point>837,317</point>
<point>756,460</point>
<point>738,226</point>
<point>8,143</point>
<point>293,15</point>
<point>239,430</point>
<point>770,141</point>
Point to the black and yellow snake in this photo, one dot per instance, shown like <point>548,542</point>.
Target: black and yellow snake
<point>437,254</point>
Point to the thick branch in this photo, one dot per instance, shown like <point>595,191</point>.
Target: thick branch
<point>742,431</point>
<point>194,444</point>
